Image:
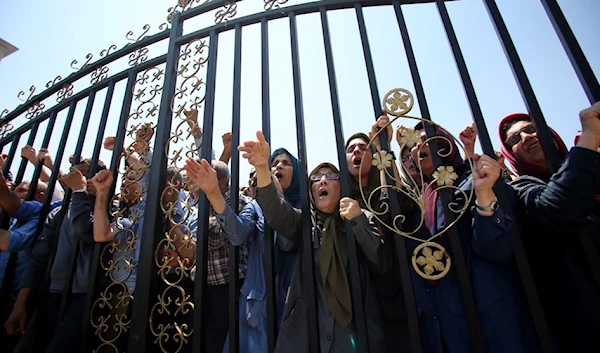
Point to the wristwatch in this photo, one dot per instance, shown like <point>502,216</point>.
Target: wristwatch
<point>493,207</point>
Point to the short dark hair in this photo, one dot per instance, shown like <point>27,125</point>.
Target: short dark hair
<point>98,167</point>
<point>507,125</point>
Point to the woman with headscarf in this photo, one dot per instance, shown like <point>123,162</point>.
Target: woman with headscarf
<point>485,235</point>
<point>556,208</point>
<point>245,228</point>
<point>329,212</point>
<point>284,167</point>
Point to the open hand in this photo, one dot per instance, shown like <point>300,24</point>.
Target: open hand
<point>256,152</point>
<point>202,175</point>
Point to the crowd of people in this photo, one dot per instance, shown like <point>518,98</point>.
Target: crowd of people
<point>431,182</point>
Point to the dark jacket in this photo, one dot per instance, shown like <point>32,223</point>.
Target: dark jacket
<point>76,226</point>
<point>293,336</point>
<point>487,245</point>
<point>555,213</point>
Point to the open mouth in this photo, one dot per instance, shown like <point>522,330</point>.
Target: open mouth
<point>356,161</point>
<point>323,193</point>
<point>278,175</point>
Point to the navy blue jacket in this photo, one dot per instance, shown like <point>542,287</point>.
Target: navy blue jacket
<point>487,244</point>
<point>555,212</point>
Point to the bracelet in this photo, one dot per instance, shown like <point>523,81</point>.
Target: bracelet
<point>80,190</point>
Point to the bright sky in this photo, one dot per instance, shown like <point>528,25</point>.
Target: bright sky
<point>50,34</point>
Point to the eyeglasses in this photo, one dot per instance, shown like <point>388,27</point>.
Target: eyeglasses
<point>406,157</point>
<point>516,137</point>
<point>328,176</point>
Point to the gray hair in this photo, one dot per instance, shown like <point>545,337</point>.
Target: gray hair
<point>222,169</point>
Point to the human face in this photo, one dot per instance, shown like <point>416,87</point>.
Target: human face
<point>409,166</point>
<point>522,140</point>
<point>326,192</point>
<point>357,152</point>
<point>22,189</point>
<point>283,169</point>
<point>252,184</point>
<point>130,189</point>
<point>421,156</point>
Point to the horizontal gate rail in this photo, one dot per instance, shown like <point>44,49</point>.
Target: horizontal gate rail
<point>79,96</point>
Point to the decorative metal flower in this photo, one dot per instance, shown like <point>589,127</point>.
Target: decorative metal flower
<point>382,160</point>
<point>445,175</point>
<point>410,137</point>
<point>430,261</point>
<point>398,101</point>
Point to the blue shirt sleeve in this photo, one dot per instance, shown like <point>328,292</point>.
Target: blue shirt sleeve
<point>28,210</point>
<point>22,237</point>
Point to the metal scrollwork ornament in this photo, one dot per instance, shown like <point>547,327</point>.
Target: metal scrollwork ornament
<point>228,11</point>
<point>273,4</point>
<point>430,260</point>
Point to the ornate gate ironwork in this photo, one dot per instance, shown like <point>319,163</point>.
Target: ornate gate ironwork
<point>161,309</point>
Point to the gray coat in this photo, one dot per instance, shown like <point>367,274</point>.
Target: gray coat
<point>374,253</point>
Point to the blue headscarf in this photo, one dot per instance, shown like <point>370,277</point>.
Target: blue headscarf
<point>292,194</point>
<point>285,261</point>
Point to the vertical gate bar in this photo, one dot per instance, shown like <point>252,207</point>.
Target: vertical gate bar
<point>518,70</point>
<point>11,153</point>
<point>147,279</point>
<point>76,158</point>
<point>477,341</point>
<point>401,247</point>
<point>201,284</point>
<point>362,343</point>
<point>45,142</point>
<point>234,293</point>
<point>95,266</point>
<point>399,244</point>
<point>591,87</point>
<point>307,251</point>
<point>362,29</point>
<point>537,118</point>
<point>269,236</point>
<point>24,161</point>
<point>582,67</point>
<point>500,187</point>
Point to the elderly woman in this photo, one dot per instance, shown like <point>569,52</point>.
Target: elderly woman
<point>556,208</point>
<point>329,212</point>
<point>485,234</point>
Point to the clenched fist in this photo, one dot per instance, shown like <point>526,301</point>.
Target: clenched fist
<point>349,208</point>
<point>102,182</point>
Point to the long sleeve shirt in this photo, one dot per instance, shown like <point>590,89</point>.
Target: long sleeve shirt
<point>22,234</point>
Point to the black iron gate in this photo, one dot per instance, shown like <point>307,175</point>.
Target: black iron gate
<point>159,313</point>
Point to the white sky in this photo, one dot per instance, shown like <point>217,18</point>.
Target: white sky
<point>50,34</point>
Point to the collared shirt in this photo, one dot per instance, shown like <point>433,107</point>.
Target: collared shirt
<point>22,234</point>
<point>218,249</point>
